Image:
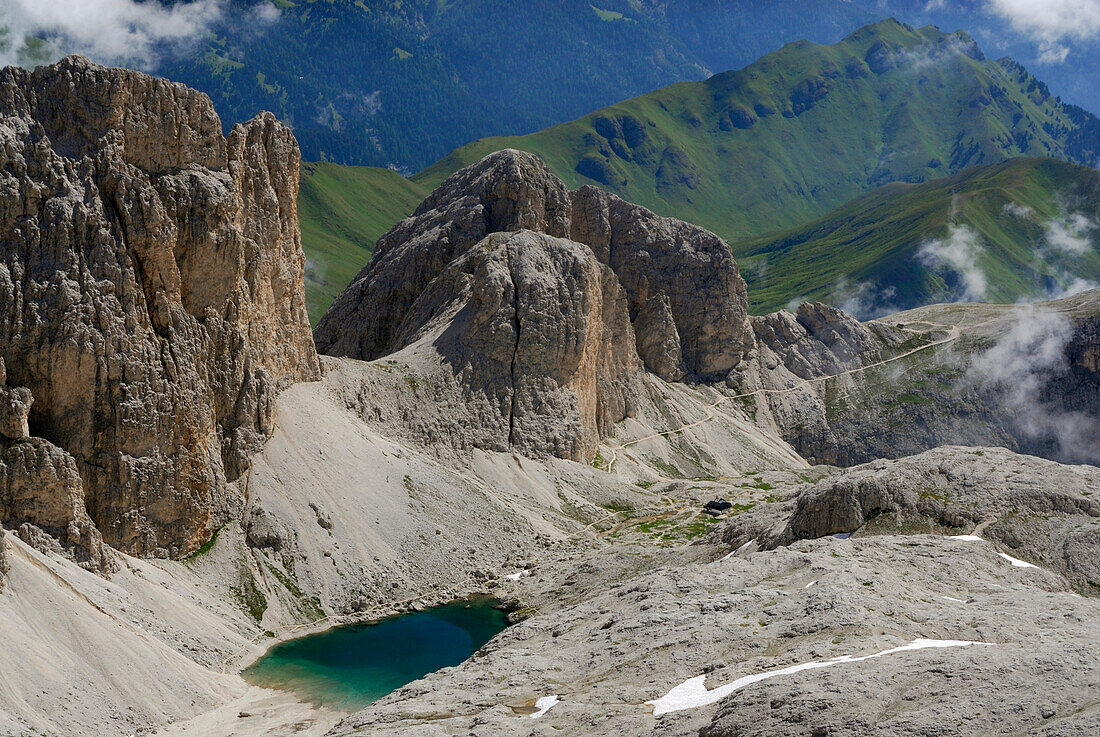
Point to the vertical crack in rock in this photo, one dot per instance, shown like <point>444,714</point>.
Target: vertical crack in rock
<point>516,324</point>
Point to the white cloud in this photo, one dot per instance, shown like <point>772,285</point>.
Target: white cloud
<point>1070,233</point>
<point>1021,366</point>
<point>1071,285</point>
<point>864,300</point>
<point>1051,22</point>
<point>1052,54</point>
<point>112,30</point>
<point>958,253</point>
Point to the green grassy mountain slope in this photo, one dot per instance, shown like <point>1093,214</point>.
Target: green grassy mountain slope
<point>1023,229</point>
<point>343,210</point>
<point>402,82</point>
<point>807,128</point>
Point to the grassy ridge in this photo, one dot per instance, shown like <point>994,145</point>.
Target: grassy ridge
<point>781,143</point>
<point>805,129</point>
<point>872,242</point>
<point>343,210</point>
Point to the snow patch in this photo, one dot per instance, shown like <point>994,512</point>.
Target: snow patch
<point>543,705</point>
<point>1017,562</point>
<point>1014,561</point>
<point>732,553</point>
<point>514,576</point>
<point>693,692</point>
<point>952,598</point>
<point>811,583</point>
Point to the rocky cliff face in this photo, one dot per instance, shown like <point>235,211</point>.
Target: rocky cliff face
<point>151,297</point>
<point>546,304</point>
<point>41,493</point>
<point>537,332</point>
<point>685,296</point>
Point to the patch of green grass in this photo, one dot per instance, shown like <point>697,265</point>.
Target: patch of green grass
<point>255,603</point>
<point>644,483</point>
<point>666,468</point>
<point>609,16</point>
<point>875,238</point>
<point>788,138</point>
<point>652,525</point>
<point>343,210</point>
<point>617,506</point>
<point>205,547</point>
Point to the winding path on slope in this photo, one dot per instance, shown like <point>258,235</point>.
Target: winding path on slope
<point>953,334</point>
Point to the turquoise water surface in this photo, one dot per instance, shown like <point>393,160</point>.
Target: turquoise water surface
<point>349,667</point>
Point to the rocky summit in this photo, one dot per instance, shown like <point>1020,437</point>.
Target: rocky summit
<point>699,521</point>
<point>545,304</point>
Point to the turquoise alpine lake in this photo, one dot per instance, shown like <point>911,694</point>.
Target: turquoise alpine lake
<point>350,667</point>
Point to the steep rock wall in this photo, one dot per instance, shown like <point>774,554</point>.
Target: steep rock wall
<point>687,300</point>
<point>151,293</point>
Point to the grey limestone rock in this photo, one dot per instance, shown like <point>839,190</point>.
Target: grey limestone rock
<point>1043,511</point>
<point>687,300</point>
<point>41,491</point>
<point>538,332</point>
<point>546,304</point>
<point>150,290</point>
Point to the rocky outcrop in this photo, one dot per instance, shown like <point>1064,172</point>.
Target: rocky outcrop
<point>504,192</point>
<point>42,499</point>
<point>537,332</point>
<point>150,292</point>
<point>1042,510</point>
<point>817,340</point>
<point>545,304</point>
<point>15,408</point>
<point>789,370</point>
<point>41,493</point>
<point>686,298</point>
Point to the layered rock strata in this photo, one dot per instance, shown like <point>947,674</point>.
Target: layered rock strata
<point>151,296</point>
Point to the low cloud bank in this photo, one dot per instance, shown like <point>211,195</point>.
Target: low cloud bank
<point>957,254</point>
<point>1051,23</point>
<point>1020,367</point>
